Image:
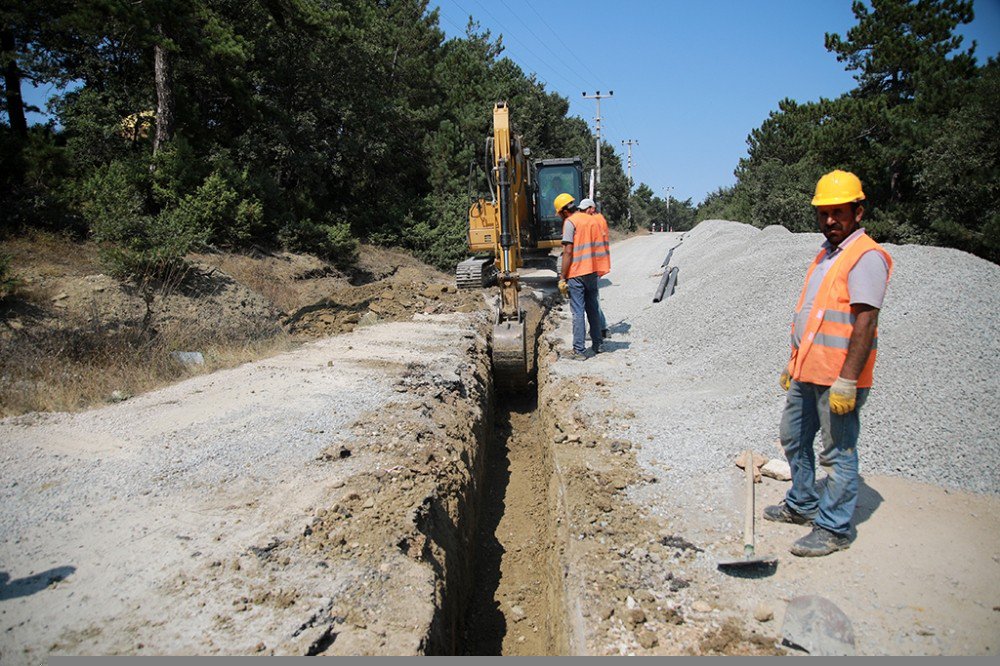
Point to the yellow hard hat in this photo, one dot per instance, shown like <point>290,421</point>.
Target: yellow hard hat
<point>838,187</point>
<point>562,201</point>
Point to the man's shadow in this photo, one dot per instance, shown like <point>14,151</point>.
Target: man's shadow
<point>23,587</point>
<point>869,500</point>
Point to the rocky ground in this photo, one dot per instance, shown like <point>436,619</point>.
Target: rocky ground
<point>368,493</point>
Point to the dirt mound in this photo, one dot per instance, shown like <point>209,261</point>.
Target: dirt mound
<point>62,285</point>
<point>72,336</point>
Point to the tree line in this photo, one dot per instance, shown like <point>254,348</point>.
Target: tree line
<point>921,129</point>
<point>312,125</point>
<point>302,124</point>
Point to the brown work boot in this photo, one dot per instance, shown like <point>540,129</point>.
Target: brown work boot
<point>819,542</point>
<point>781,513</point>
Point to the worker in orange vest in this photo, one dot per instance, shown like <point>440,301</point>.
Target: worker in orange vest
<point>829,374</point>
<point>590,208</point>
<point>586,257</point>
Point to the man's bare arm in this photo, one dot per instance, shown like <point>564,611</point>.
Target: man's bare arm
<point>860,345</point>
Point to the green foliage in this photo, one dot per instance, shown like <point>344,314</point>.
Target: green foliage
<point>137,243</point>
<point>439,237</point>
<point>304,123</point>
<point>959,172</point>
<point>331,240</point>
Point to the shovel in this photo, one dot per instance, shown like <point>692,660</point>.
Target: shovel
<point>750,561</point>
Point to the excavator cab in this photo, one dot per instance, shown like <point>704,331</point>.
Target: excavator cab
<point>553,177</point>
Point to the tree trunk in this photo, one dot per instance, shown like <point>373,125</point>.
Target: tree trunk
<point>163,67</point>
<point>12,85</point>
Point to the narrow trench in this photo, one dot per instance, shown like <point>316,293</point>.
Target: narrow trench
<point>516,602</point>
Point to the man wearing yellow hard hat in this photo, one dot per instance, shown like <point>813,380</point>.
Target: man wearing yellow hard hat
<point>586,257</point>
<point>829,374</point>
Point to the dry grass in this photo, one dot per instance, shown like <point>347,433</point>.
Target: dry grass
<point>63,359</point>
<point>80,367</point>
<point>71,340</point>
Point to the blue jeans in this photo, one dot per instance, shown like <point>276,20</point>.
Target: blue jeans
<point>583,301</point>
<point>807,411</point>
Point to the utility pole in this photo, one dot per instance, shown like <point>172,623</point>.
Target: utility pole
<point>669,226</point>
<point>630,143</point>
<point>598,96</point>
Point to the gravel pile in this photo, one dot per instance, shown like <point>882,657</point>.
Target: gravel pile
<point>702,375</point>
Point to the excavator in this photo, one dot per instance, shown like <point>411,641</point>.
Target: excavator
<point>516,226</point>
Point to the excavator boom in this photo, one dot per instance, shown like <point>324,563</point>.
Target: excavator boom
<point>507,228</point>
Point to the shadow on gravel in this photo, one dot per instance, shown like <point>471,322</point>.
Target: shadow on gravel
<point>609,346</point>
<point>24,587</point>
<point>752,572</point>
<point>620,327</point>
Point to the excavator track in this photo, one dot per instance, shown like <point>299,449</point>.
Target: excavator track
<point>476,273</point>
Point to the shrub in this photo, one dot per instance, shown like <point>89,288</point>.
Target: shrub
<point>137,245</point>
<point>332,240</point>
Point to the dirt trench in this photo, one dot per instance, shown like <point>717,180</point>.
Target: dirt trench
<point>515,603</point>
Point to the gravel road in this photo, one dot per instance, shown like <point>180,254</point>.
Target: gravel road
<point>693,380</point>
<point>208,517</point>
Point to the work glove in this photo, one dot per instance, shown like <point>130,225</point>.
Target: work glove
<point>843,395</point>
<point>564,288</point>
<point>785,380</point>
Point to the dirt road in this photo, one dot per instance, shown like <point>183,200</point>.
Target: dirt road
<point>367,494</point>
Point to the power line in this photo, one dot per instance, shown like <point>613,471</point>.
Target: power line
<point>513,37</point>
<point>545,42</point>
<point>555,33</point>
<point>630,143</point>
<point>598,96</point>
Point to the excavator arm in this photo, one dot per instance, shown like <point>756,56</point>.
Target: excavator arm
<point>510,358</point>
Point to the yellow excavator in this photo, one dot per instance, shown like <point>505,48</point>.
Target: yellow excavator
<point>517,226</point>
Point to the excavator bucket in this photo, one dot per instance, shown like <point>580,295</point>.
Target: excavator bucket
<point>510,356</point>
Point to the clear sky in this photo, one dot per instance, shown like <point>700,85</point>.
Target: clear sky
<point>691,78</point>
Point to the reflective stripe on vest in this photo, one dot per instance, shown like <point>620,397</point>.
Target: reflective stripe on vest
<point>823,349</point>
<point>591,253</point>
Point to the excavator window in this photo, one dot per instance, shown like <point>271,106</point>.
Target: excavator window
<point>553,181</point>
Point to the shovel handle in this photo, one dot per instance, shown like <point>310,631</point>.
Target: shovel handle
<point>748,545</point>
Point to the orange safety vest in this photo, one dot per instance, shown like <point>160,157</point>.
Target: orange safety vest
<point>824,343</point>
<point>591,252</point>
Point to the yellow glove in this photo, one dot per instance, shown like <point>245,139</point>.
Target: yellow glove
<point>785,380</point>
<point>564,288</point>
<point>843,395</point>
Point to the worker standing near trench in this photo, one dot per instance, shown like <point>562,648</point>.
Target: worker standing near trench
<point>829,374</point>
<point>586,257</point>
<point>590,208</point>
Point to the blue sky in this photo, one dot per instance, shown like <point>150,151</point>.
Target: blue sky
<point>691,78</point>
